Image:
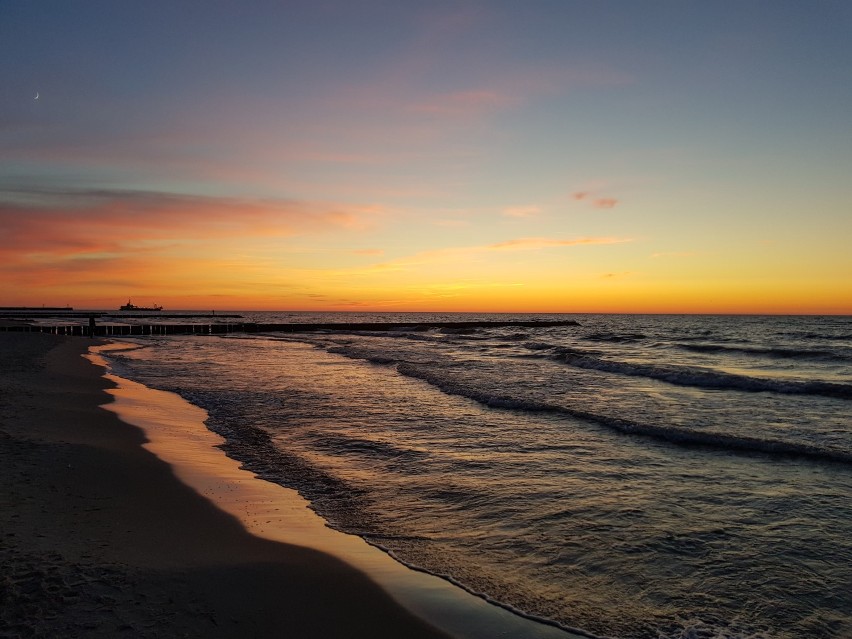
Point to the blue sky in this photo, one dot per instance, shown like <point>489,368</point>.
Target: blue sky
<point>635,155</point>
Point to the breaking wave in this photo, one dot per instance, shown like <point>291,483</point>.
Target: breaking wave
<point>674,434</point>
<point>693,376</point>
<point>784,353</point>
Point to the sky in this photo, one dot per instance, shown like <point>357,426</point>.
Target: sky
<point>665,156</point>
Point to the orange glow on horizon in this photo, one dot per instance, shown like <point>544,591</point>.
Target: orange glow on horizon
<point>94,250</point>
<point>467,300</point>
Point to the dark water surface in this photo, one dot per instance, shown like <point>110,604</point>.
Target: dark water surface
<point>634,476</point>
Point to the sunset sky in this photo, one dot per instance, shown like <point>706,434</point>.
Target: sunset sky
<point>576,156</point>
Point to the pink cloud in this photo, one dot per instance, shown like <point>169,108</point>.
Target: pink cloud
<point>605,202</point>
<point>49,235</point>
<point>464,103</point>
<point>595,202</point>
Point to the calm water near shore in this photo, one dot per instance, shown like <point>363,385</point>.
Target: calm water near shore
<point>633,476</point>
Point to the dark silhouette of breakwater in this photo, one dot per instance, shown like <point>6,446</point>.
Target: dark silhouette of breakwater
<point>36,308</point>
<point>221,328</point>
<point>104,314</point>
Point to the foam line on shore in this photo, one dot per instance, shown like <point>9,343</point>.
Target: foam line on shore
<point>177,435</point>
<point>101,539</point>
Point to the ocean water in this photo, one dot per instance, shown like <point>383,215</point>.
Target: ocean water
<point>632,476</point>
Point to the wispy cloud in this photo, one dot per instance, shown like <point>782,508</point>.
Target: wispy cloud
<point>529,210</point>
<point>595,201</point>
<point>604,202</point>
<point>528,243</point>
<point>93,216</point>
<point>465,104</point>
<point>452,224</point>
<point>96,236</point>
<point>469,254</point>
<point>455,255</point>
<point>667,254</point>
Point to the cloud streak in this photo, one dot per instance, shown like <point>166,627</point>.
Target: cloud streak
<point>90,237</point>
<point>674,254</point>
<point>531,243</point>
<point>460,254</point>
<point>473,103</point>
<point>530,210</point>
<point>594,201</point>
<point>77,219</point>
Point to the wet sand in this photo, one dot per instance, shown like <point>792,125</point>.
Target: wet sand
<point>99,538</point>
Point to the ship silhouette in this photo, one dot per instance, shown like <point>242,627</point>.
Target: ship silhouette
<point>132,307</point>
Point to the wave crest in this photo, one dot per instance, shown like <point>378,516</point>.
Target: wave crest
<point>694,376</point>
<point>674,434</point>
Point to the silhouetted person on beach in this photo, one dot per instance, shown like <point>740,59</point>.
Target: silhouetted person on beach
<point>91,325</point>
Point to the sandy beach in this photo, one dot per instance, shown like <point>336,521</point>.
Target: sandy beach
<point>99,538</point>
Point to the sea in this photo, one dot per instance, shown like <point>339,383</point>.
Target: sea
<point>628,476</point>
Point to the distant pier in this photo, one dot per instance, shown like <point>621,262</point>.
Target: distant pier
<point>3,309</point>
<point>21,313</point>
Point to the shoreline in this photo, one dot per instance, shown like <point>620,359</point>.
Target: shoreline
<point>99,537</point>
<point>146,503</point>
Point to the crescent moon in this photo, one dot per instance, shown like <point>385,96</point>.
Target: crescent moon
<point>36,98</point>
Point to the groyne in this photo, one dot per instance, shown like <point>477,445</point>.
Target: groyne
<point>221,328</point>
